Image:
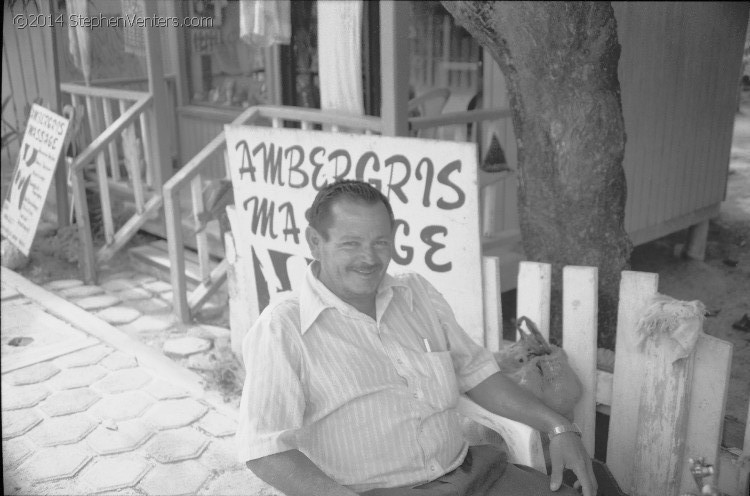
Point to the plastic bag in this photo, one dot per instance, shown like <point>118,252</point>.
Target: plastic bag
<point>541,369</point>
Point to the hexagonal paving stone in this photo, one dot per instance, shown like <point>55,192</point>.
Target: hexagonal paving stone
<point>175,478</point>
<point>117,285</point>
<point>148,323</point>
<point>185,346</point>
<point>119,315</point>
<point>15,398</point>
<point>63,284</point>
<point>18,422</point>
<point>119,360</point>
<point>97,302</point>
<point>32,374</point>
<point>140,278</point>
<point>15,451</point>
<point>128,295</point>
<point>56,463</point>
<point>217,424</point>
<point>157,286</point>
<point>162,390</point>
<point>80,292</point>
<point>115,472</point>
<point>122,406</point>
<point>70,401</point>
<point>151,306</point>
<point>122,380</point>
<point>221,455</point>
<point>77,377</point>
<point>169,414</point>
<point>176,445</point>
<point>129,435</point>
<point>82,358</point>
<point>62,430</point>
<point>230,482</point>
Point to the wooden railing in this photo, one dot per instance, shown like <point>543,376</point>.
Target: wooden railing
<point>117,132</point>
<point>191,176</point>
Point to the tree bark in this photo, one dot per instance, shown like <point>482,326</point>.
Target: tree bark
<point>560,62</point>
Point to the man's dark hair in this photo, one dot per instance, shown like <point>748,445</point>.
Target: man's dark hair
<point>343,189</point>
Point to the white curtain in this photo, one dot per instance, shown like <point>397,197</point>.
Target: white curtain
<point>339,55</point>
<point>265,22</point>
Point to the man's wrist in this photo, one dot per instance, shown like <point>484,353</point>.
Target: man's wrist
<point>563,428</point>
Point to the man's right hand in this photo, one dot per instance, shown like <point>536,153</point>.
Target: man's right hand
<point>293,473</point>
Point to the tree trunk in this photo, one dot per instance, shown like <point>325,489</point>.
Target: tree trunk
<point>560,62</point>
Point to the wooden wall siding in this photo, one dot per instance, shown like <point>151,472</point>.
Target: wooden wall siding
<point>678,71</point>
<point>24,67</point>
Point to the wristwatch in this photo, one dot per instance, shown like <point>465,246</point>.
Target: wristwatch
<point>560,429</point>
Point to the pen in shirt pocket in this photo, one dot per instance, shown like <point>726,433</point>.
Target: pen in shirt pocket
<point>427,346</point>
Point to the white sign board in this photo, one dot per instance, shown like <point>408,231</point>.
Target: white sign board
<point>431,185</point>
<point>43,141</point>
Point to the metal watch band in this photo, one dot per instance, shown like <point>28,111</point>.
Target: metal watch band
<point>560,429</point>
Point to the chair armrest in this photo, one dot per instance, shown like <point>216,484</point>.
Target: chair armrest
<point>524,444</point>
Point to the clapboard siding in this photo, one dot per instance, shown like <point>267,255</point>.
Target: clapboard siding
<point>678,71</point>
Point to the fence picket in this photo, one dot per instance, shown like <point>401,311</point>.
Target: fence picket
<point>534,281</point>
<point>580,309</point>
<point>636,290</point>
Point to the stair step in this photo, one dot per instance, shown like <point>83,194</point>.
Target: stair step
<point>153,258</point>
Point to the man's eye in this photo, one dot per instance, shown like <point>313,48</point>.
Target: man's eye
<point>383,243</point>
<point>350,243</point>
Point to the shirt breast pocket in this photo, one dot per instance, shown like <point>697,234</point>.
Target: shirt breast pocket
<point>442,388</point>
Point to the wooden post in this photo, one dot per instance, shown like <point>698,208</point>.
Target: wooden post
<point>662,419</point>
<point>61,174</point>
<point>157,86</point>
<point>697,238</point>
<point>394,66</point>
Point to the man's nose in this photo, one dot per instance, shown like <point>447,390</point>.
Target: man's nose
<point>369,255</point>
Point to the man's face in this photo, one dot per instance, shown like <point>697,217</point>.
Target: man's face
<point>354,258</point>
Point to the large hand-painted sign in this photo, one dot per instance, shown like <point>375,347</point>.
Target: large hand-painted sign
<point>43,141</point>
<point>432,187</point>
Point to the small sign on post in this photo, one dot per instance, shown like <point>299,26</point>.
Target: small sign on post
<point>43,142</point>
<point>431,185</point>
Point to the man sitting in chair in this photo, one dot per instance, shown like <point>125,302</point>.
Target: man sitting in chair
<point>352,380</point>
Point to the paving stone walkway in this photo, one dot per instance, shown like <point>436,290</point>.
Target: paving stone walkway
<point>88,410</point>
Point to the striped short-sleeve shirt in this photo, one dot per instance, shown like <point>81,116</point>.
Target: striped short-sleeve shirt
<point>370,402</point>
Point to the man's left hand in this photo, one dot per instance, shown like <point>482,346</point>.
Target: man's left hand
<point>566,451</point>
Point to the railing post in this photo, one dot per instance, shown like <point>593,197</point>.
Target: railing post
<point>160,136</point>
<point>175,243</point>
<point>88,262</point>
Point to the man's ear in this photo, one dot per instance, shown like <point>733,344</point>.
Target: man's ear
<point>314,240</point>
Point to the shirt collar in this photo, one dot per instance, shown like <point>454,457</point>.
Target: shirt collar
<point>315,297</point>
